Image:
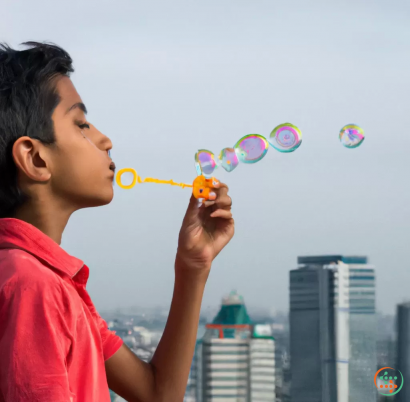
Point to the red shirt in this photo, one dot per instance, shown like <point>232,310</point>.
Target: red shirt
<point>53,343</point>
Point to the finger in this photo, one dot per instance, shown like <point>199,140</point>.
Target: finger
<point>221,192</point>
<point>194,204</point>
<point>194,211</point>
<point>221,213</point>
<point>218,192</point>
<point>218,184</point>
<point>209,203</point>
<point>223,201</point>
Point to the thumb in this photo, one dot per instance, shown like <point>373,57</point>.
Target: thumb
<point>194,210</point>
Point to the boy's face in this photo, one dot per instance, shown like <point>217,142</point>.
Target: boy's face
<point>79,163</point>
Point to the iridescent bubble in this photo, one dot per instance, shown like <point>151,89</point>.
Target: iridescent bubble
<point>351,136</point>
<point>228,159</point>
<point>285,138</point>
<point>205,162</point>
<point>251,148</point>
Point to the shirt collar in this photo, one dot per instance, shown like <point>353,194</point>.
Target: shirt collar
<point>15,233</point>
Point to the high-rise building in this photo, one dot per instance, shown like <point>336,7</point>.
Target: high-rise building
<point>332,330</point>
<point>235,359</point>
<point>403,349</point>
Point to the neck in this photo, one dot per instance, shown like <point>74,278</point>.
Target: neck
<point>51,221</point>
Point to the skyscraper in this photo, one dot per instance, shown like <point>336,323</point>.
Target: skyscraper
<point>235,359</point>
<point>332,330</point>
<point>403,349</point>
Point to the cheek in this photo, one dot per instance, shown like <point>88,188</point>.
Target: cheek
<point>84,186</point>
<point>77,171</point>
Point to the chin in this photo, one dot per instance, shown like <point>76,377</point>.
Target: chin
<point>107,198</point>
<point>101,199</point>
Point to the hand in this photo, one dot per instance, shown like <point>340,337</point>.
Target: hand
<point>206,230</point>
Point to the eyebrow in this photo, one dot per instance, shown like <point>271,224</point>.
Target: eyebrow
<point>78,105</point>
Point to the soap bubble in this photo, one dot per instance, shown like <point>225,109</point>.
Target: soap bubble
<point>251,148</point>
<point>228,159</point>
<point>285,138</point>
<point>351,136</point>
<point>205,162</point>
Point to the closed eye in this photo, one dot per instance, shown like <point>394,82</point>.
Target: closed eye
<point>83,126</point>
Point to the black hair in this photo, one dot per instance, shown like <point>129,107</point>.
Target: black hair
<point>28,98</point>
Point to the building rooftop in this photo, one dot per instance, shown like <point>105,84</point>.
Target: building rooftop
<point>329,259</point>
<point>233,311</point>
<point>232,299</point>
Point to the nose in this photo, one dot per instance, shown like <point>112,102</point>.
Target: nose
<point>107,144</point>
<point>104,142</point>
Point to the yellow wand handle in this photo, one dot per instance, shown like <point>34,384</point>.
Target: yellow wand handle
<point>136,178</point>
<point>201,186</point>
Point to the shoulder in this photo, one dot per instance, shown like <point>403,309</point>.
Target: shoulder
<point>19,269</point>
<point>33,300</point>
<point>28,288</point>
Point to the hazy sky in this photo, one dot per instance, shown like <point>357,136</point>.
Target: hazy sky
<point>164,78</point>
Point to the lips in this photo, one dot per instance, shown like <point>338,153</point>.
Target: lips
<point>112,166</point>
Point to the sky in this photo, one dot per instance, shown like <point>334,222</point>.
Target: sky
<point>164,79</point>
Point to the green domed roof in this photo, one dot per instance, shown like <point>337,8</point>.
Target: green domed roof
<point>233,311</point>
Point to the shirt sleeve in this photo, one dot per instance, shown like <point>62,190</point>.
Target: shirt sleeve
<point>35,341</point>
<point>110,340</point>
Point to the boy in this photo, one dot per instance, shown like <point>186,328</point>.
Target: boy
<point>54,346</point>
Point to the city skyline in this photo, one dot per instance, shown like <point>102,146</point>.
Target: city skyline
<point>346,331</point>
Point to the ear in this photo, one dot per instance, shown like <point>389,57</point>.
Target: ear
<point>28,156</point>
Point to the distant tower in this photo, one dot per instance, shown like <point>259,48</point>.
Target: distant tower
<point>332,330</point>
<point>235,359</point>
<point>403,350</point>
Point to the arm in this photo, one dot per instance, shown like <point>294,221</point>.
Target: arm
<point>205,231</point>
<point>165,377</point>
<point>173,357</point>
